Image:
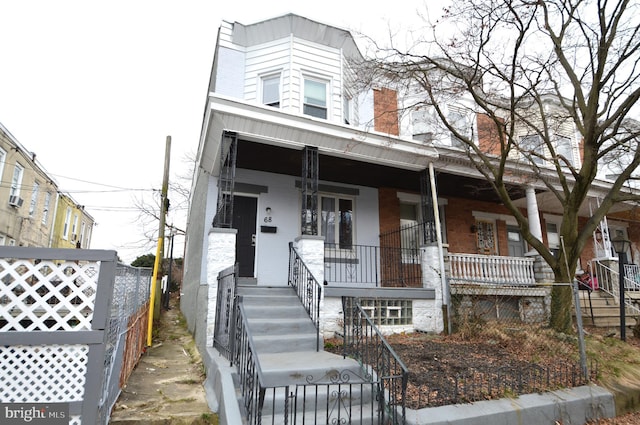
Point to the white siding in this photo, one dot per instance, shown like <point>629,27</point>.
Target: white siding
<point>264,59</point>
<point>229,78</point>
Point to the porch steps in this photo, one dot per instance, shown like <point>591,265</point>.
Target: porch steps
<point>606,310</point>
<point>285,341</point>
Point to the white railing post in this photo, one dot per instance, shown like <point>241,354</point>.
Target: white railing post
<point>475,268</point>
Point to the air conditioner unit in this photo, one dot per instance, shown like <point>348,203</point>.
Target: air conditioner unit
<point>15,201</point>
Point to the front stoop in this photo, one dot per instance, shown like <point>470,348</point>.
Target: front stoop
<point>287,347</point>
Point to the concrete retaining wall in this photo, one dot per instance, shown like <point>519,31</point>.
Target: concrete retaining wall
<point>572,406</point>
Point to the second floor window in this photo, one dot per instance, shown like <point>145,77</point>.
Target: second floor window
<point>315,98</point>
<point>47,205</point>
<point>564,149</point>
<point>531,147</point>
<point>34,199</point>
<point>67,222</point>
<point>271,90</point>
<point>16,180</point>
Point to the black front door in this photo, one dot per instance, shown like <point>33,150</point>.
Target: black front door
<point>244,220</point>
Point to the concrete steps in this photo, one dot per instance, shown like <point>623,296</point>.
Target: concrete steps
<point>606,310</point>
<point>285,340</point>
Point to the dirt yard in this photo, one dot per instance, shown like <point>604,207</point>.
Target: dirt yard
<point>480,364</point>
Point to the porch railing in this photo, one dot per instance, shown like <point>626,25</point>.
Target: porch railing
<point>307,287</point>
<point>491,269</point>
<point>355,265</point>
<point>364,342</point>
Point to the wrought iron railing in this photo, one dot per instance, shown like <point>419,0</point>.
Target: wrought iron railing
<point>504,381</point>
<point>339,397</point>
<point>364,342</point>
<point>307,287</point>
<point>248,366</point>
<point>357,265</point>
<point>491,269</point>
<point>401,257</point>
<point>225,307</point>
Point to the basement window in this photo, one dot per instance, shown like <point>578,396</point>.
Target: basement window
<point>389,312</point>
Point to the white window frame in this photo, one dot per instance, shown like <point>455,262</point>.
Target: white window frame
<point>263,80</point>
<point>34,198</point>
<point>16,180</point>
<point>532,140</point>
<point>463,124</point>
<point>67,222</point>
<point>82,228</point>
<point>47,205</point>
<point>336,231</point>
<point>564,147</point>
<point>3,159</point>
<point>2,240</point>
<point>74,227</point>
<point>305,104</point>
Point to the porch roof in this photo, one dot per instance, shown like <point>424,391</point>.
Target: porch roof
<point>275,127</point>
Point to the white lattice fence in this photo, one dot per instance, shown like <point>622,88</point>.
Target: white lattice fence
<point>54,310</point>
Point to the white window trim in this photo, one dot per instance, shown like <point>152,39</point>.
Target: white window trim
<point>261,80</point>
<point>327,81</point>
<point>337,197</point>
<point>3,160</point>
<point>67,222</point>
<point>15,191</point>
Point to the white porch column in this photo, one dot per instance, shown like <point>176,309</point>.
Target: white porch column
<point>532,213</point>
<point>431,320</point>
<point>221,253</point>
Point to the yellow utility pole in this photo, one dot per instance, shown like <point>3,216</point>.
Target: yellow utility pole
<point>154,305</point>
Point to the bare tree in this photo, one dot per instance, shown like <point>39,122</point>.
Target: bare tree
<point>526,71</point>
<point>149,208</point>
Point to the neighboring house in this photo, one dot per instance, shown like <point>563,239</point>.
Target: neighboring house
<point>292,152</point>
<point>32,210</point>
<point>73,225</point>
<point>27,196</point>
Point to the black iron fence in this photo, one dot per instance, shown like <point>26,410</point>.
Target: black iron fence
<point>223,328</point>
<point>355,265</point>
<point>400,255</point>
<point>307,287</point>
<point>340,397</point>
<point>502,382</point>
<point>364,342</point>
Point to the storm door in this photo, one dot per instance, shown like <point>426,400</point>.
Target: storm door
<point>244,220</point>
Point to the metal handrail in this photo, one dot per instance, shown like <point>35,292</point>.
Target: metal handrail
<point>307,287</point>
<point>608,279</point>
<point>223,327</point>
<point>250,374</point>
<point>364,342</point>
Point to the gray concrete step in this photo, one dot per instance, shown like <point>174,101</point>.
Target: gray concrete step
<point>296,368</point>
<point>285,343</point>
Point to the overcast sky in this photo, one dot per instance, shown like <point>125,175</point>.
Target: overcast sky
<point>94,87</point>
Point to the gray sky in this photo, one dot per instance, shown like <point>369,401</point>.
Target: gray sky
<point>94,87</point>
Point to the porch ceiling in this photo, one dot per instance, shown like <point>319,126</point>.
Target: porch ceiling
<point>275,159</point>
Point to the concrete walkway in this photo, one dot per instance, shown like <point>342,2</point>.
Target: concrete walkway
<point>166,386</point>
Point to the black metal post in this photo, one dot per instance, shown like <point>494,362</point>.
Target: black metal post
<point>622,260</point>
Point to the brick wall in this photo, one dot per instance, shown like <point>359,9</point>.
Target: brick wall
<point>385,111</point>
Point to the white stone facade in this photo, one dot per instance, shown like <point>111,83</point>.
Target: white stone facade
<point>221,254</point>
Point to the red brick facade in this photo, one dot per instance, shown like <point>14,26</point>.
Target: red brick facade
<point>385,111</point>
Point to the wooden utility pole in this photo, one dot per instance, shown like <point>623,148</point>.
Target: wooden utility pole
<point>154,303</point>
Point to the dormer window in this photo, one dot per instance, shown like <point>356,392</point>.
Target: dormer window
<point>315,98</point>
<point>271,90</point>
